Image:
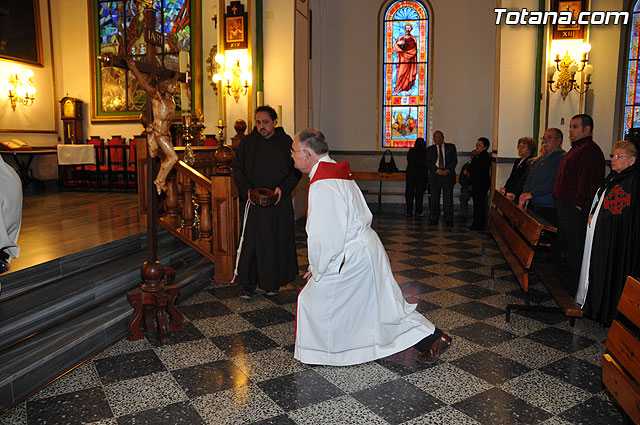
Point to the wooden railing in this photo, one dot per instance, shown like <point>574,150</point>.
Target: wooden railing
<point>200,209</point>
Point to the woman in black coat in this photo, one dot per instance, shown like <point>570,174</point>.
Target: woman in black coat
<point>521,168</point>
<point>480,181</point>
<point>416,180</point>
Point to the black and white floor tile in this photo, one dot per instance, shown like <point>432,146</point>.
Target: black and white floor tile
<point>233,363</point>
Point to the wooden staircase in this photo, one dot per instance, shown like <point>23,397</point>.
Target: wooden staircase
<point>58,314</point>
<point>201,211</point>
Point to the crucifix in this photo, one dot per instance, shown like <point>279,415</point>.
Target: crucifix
<point>156,297</point>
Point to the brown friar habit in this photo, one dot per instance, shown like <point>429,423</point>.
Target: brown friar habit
<point>268,256</point>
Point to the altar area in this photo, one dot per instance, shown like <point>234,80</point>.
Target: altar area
<point>61,223</point>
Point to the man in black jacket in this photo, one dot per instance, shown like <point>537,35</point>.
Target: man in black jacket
<point>480,181</point>
<point>442,159</point>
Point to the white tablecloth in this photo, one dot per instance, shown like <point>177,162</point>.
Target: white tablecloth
<point>76,154</point>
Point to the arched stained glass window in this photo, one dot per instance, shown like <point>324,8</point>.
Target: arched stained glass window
<point>632,98</point>
<point>405,73</point>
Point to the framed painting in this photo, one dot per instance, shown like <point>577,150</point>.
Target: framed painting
<point>568,29</point>
<point>20,36</point>
<point>235,27</point>
<point>117,27</point>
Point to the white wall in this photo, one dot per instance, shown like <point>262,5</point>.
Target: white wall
<point>278,32</point>
<point>605,46</point>
<point>515,87</point>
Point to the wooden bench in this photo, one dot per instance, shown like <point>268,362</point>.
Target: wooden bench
<point>517,233</point>
<point>620,366</point>
<point>399,176</point>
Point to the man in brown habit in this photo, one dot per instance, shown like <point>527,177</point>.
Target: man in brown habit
<point>263,160</point>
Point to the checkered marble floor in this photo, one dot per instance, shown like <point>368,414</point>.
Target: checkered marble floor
<point>233,363</point>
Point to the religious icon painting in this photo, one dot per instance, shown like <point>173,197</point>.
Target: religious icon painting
<point>570,30</point>
<point>405,73</point>
<point>235,26</point>
<point>119,29</point>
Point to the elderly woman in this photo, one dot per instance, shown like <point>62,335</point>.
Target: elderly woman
<point>612,246</point>
<point>513,187</point>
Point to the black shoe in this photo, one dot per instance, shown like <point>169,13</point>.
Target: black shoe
<point>419,214</point>
<point>435,351</point>
<point>272,293</point>
<point>4,267</point>
<point>449,224</point>
<point>433,222</point>
<point>408,214</point>
<point>246,294</point>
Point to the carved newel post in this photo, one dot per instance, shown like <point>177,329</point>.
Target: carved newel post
<point>225,212</point>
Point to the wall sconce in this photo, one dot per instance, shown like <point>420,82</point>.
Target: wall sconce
<point>21,89</point>
<point>233,76</point>
<point>567,69</point>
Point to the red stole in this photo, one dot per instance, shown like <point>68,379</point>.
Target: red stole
<point>330,170</point>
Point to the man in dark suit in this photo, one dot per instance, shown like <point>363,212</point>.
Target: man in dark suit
<point>442,159</point>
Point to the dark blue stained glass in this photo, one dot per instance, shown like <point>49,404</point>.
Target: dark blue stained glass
<point>177,25</point>
<point>110,17</point>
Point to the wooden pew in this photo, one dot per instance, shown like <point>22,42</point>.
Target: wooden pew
<point>398,176</point>
<point>620,366</point>
<point>517,233</point>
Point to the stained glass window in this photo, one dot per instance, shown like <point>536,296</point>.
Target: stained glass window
<point>632,98</point>
<point>119,29</point>
<point>405,73</point>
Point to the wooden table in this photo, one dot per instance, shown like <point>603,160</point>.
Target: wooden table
<point>24,165</point>
<point>399,176</point>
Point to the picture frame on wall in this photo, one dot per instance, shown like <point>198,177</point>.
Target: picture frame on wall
<point>572,30</point>
<point>235,27</point>
<point>116,95</point>
<point>20,32</point>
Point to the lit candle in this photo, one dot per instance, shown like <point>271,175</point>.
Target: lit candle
<point>219,123</point>
<point>184,92</point>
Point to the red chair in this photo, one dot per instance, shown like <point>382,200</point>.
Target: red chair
<point>132,167</point>
<point>117,162</point>
<point>95,173</point>
<point>210,140</point>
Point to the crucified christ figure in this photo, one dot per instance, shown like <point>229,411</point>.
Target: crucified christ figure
<point>158,135</point>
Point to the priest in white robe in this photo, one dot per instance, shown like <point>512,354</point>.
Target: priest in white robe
<point>10,214</point>
<point>351,310</point>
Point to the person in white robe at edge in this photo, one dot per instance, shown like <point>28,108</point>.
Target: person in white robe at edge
<point>10,214</point>
<point>351,309</point>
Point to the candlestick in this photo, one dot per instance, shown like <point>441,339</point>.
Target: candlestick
<point>279,112</point>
